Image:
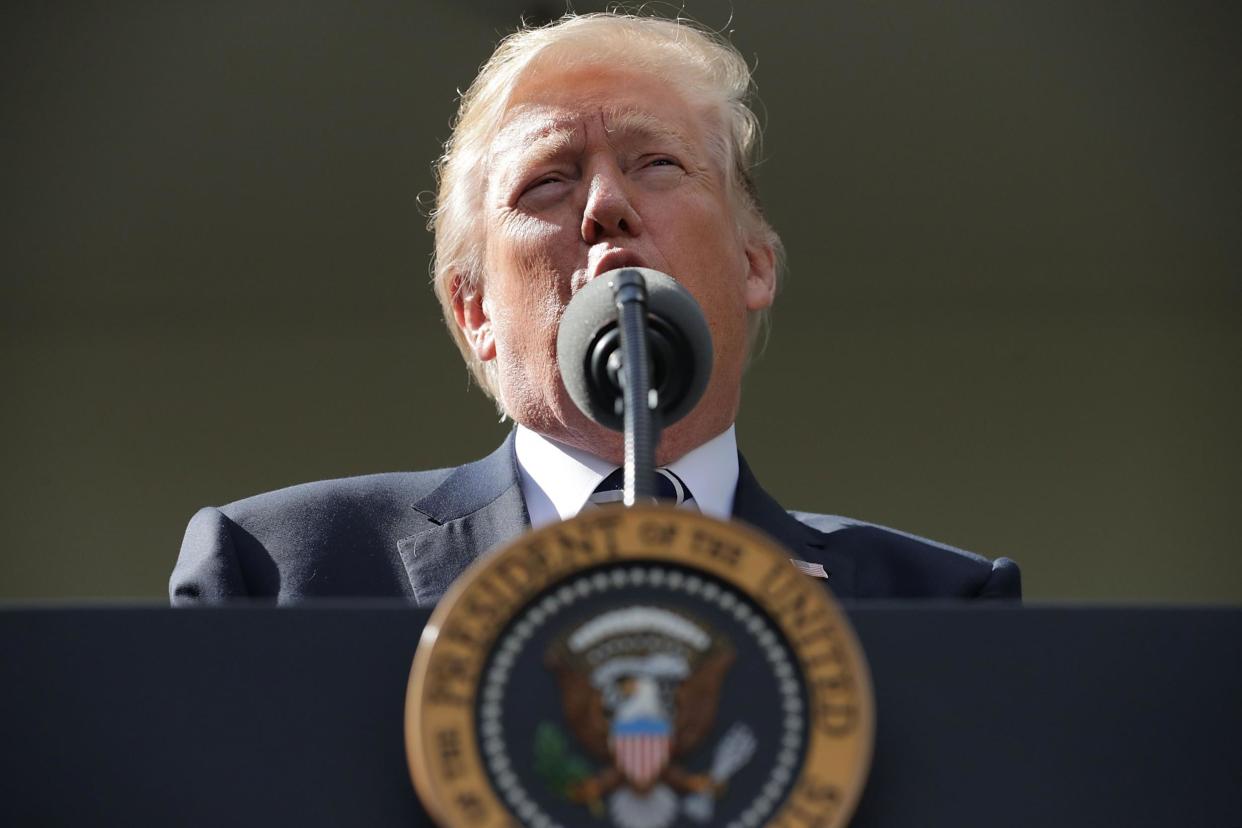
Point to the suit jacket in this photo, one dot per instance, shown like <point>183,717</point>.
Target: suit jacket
<point>409,534</point>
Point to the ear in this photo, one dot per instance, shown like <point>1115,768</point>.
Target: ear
<point>760,275</point>
<point>470,313</point>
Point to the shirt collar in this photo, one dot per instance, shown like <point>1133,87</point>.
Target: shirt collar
<point>557,479</point>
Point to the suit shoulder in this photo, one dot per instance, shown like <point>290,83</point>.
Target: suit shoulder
<point>893,563</point>
<point>374,491</point>
<point>331,537</point>
<point>886,535</point>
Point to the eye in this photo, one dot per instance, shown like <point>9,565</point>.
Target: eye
<point>552,179</point>
<point>543,180</point>
<point>659,170</point>
<point>543,190</point>
<point>660,167</point>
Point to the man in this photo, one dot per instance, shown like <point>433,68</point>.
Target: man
<point>599,142</point>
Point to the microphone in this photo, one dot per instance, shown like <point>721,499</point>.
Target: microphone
<point>588,348</point>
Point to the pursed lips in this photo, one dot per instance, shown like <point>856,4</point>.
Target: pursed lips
<point>607,259</point>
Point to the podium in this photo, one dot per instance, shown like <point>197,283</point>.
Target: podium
<point>986,716</point>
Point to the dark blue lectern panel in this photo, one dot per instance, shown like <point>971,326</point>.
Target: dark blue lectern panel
<point>987,716</point>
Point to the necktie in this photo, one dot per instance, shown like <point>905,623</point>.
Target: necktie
<point>669,487</point>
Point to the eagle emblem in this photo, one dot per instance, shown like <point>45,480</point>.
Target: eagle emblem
<point>640,687</point>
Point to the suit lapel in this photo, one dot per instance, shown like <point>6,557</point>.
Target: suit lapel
<point>755,506</point>
<point>478,507</point>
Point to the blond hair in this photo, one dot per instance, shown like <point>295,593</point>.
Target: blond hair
<point>706,67</point>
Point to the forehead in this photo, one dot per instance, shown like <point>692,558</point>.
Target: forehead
<point>550,109</point>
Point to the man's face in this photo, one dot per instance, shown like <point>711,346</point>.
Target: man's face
<point>594,169</point>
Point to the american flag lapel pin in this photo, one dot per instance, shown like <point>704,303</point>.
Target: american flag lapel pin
<point>812,569</point>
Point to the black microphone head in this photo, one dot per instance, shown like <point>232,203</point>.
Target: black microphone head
<point>679,346</point>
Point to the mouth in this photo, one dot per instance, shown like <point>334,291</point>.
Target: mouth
<point>611,259</point>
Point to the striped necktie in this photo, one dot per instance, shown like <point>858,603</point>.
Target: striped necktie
<point>669,487</point>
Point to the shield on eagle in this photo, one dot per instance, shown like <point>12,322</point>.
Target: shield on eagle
<point>640,747</point>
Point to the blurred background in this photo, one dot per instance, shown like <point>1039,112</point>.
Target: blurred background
<point>1012,319</point>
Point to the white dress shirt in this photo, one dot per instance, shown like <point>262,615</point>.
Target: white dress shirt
<point>557,479</point>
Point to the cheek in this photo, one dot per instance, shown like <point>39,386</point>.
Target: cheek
<point>525,243</point>
<point>708,250</point>
<point>711,256</point>
<point>529,269</point>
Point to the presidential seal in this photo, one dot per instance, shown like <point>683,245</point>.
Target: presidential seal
<point>639,668</point>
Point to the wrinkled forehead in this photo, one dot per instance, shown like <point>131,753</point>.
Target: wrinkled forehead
<point>542,128</point>
<point>551,107</point>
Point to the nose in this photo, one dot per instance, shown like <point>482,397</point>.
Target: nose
<point>608,210</point>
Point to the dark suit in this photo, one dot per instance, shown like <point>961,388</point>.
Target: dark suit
<point>411,533</point>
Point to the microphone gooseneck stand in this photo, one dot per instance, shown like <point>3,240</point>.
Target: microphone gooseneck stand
<point>642,432</point>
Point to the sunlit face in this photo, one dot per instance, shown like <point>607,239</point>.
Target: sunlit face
<point>593,169</point>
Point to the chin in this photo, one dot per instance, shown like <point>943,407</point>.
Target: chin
<point>678,440</point>
<point>560,419</point>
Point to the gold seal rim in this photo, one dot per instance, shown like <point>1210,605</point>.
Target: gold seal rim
<point>442,689</point>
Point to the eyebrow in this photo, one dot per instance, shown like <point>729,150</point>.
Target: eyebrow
<point>547,139</point>
<point>632,122</point>
<point>552,137</point>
